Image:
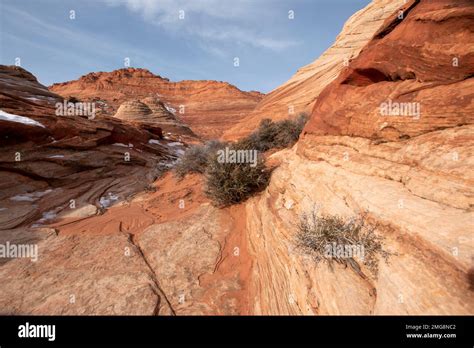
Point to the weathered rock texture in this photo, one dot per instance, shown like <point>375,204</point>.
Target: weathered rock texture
<point>152,111</point>
<point>412,175</point>
<point>299,94</point>
<point>134,110</point>
<point>148,256</point>
<point>207,107</point>
<point>71,167</point>
<point>66,157</point>
<point>168,251</point>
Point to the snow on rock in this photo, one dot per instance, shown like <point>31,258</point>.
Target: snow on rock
<point>122,145</point>
<point>108,200</point>
<point>175,143</point>
<point>5,116</point>
<point>47,216</point>
<point>170,109</point>
<point>29,197</point>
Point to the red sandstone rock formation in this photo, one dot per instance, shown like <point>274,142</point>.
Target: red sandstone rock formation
<point>55,159</point>
<point>152,111</point>
<point>412,174</point>
<point>413,177</point>
<point>208,107</point>
<point>420,68</point>
<point>299,94</point>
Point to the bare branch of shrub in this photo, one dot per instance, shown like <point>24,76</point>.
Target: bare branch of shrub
<point>318,235</point>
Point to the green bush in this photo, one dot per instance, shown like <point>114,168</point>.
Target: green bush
<point>319,235</point>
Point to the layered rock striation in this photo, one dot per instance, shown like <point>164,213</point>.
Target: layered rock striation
<point>207,107</point>
<point>153,112</point>
<point>299,94</point>
<point>409,172</point>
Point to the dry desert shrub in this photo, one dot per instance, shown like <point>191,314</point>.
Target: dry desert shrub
<point>231,183</point>
<point>275,135</point>
<point>346,241</point>
<point>196,158</point>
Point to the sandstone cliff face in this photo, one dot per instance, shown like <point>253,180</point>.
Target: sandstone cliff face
<point>167,250</point>
<point>69,167</point>
<point>151,111</point>
<point>208,107</point>
<point>411,174</point>
<point>300,92</point>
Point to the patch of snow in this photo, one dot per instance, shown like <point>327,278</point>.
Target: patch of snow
<point>122,145</point>
<point>29,197</point>
<point>1,209</point>
<point>19,119</point>
<point>108,200</point>
<point>154,141</point>
<point>168,163</point>
<point>170,109</point>
<point>34,99</point>
<point>49,215</point>
<point>175,143</point>
<point>56,156</point>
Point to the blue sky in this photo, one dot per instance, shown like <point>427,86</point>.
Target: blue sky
<point>200,46</point>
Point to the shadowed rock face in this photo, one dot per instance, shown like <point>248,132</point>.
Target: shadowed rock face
<point>208,107</point>
<point>20,92</point>
<point>159,110</point>
<point>69,167</point>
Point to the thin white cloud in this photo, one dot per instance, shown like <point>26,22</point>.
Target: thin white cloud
<point>89,42</point>
<point>63,42</point>
<point>168,11</point>
<point>215,23</point>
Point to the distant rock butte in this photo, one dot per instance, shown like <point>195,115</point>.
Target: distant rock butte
<point>207,107</point>
<point>299,94</point>
<point>152,111</point>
